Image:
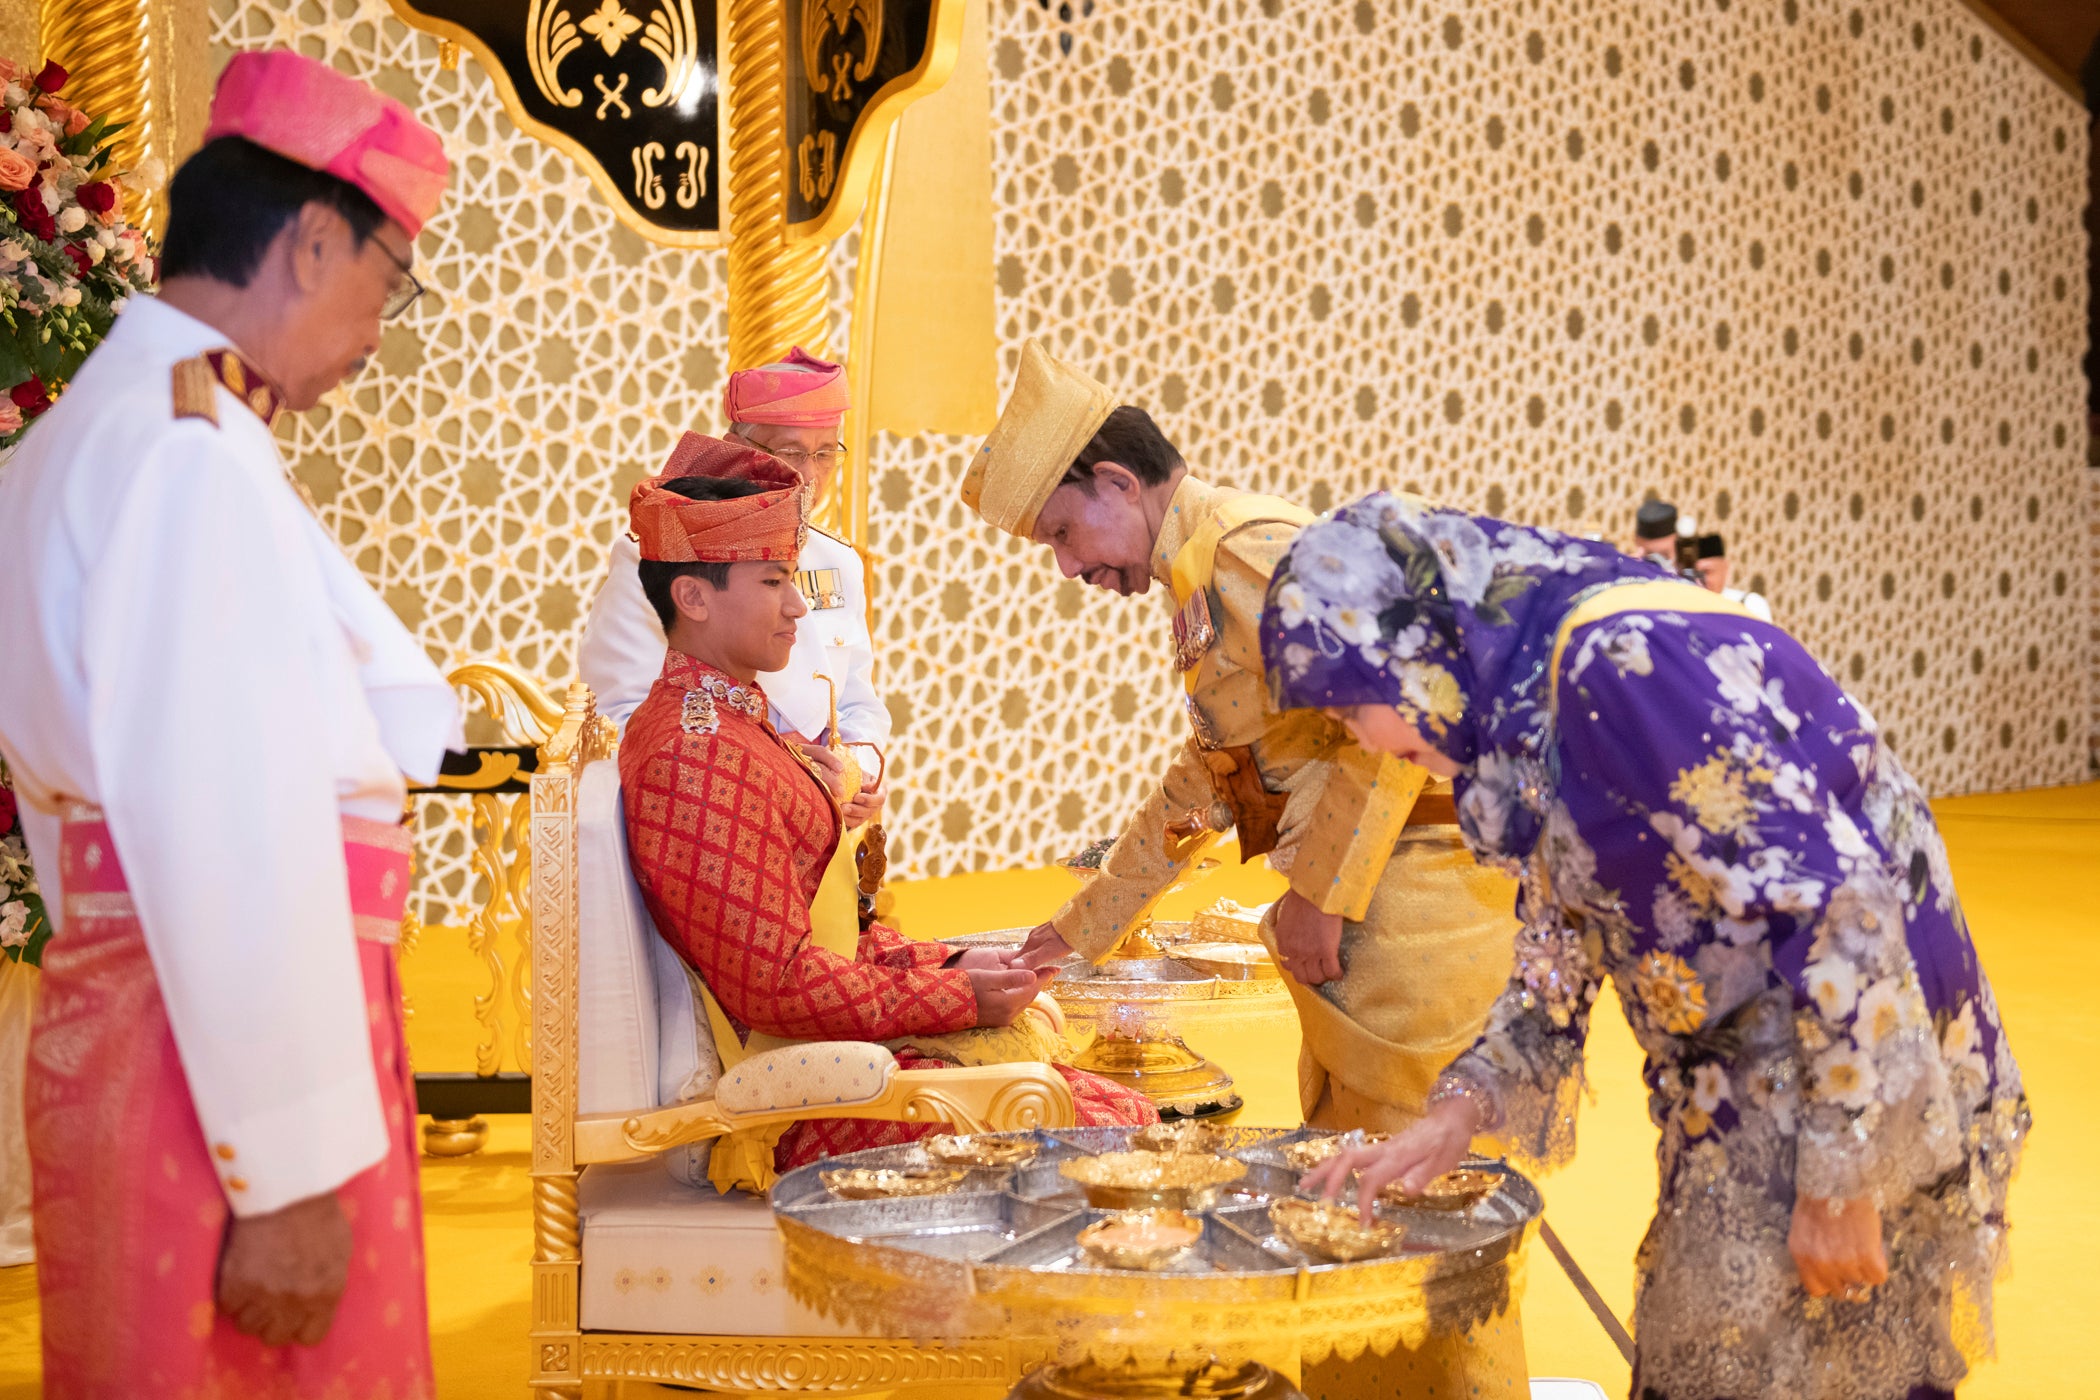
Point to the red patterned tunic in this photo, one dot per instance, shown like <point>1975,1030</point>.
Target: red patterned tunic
<point>730,835</point>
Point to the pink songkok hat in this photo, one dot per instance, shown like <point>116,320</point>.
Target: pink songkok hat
<point>307,112</point>
<point>808,397</point>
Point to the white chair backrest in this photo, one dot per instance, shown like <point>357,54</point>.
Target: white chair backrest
<point>637,1040</point>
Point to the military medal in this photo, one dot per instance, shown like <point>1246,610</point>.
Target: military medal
<point>1194,631</point>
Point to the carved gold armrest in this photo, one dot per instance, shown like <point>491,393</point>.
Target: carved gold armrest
<point>976,1099</point>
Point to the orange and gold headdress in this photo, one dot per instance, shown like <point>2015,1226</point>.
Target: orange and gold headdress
<point>675,529</point>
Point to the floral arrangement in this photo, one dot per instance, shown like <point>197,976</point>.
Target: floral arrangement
<point>23,928</point>
<point>68,260</point>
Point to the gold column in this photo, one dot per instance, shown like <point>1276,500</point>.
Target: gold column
<point>142,62</point>
<point>779,290</point>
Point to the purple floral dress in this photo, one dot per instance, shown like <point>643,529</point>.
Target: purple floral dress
<point>1700,813</point>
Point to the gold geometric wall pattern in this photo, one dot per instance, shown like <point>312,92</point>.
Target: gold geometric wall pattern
<point>1813,270</point>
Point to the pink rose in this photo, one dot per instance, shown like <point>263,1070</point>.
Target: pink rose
<point>16,170</point>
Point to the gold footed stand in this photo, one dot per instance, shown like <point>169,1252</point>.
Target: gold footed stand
<point>454,1137</point>
<point>1213,1380</point>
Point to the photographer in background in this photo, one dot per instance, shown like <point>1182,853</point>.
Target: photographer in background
<point>1703,559</point>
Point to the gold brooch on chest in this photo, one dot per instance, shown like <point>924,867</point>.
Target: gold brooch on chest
<point>1195,630</point>
<point>700,715</point>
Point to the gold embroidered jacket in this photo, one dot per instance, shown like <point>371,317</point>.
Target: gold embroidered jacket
<point>1345,807</point>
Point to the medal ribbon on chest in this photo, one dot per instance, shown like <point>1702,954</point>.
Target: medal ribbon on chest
<point>1195,631</point>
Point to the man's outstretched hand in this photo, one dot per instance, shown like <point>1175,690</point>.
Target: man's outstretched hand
<point>281,1274</point>
<point>1308,942</point>
<point>1003,993</point>
<point>1046,947</point>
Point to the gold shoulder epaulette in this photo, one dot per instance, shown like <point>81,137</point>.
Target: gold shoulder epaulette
<point>195,389</point>
<point>829,536</point>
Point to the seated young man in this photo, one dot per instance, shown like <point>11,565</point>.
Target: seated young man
<point>732,832</point>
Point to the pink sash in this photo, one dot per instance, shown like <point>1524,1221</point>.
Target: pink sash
<point>130,1215</point>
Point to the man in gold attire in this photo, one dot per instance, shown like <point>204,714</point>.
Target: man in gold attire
<point>1394,943</point>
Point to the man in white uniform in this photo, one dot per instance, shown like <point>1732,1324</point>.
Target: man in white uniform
<point>209,713</point>
<point>792,410</point>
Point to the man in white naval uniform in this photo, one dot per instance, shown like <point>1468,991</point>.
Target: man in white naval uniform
<point>792,410</point>
<point>209,715</point>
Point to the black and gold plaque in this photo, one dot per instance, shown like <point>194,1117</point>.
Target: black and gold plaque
<point>852,68</point>
<point>630,87</point>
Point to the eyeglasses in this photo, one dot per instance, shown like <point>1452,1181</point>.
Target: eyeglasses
<point>406,288</point>
<point>823,459</point>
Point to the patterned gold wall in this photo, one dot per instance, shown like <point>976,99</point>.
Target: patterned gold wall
<point>1811,269</point>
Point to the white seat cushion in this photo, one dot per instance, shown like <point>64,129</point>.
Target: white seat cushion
<point>660,1256</point>
<point>1556,1388</point>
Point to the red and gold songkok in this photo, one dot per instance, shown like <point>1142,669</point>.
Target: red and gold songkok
<point>306,111</point>
<point>675,529</point>
<point>811,394</point>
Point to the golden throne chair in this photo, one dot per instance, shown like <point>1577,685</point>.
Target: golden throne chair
<point>641,1271</point>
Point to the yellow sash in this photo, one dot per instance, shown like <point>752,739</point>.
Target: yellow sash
<point>1648,595</point>
<point>1197,559</point>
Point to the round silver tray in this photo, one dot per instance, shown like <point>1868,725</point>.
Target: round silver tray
<point>1000,1256</point>
<point>1082,986</point>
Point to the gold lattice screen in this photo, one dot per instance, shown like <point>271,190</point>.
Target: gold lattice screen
<point>1813,270</point>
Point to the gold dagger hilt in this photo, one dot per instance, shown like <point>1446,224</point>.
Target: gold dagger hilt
<point>854,779</point>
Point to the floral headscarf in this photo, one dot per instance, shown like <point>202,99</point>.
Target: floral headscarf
<point>1450,619</point>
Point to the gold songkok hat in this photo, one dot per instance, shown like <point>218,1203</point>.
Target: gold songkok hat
<point>1053,413</point>
<point>675,529</point>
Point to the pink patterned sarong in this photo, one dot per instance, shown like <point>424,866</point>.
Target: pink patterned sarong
<point>130,1213</point>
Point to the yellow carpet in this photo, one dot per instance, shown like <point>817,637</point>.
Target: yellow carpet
<point>2027,865</point>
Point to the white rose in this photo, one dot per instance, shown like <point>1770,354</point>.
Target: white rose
<point>96,253</point>
<point>69,297</point>
<point>72,219</point>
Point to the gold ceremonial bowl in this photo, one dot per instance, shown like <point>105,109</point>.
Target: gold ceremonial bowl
<point>1134,1180</point>
<point>883,1183</point>
<point>1165,1071</point>
<point>1141,1239</point>
<point>981,1150</point>
<point>1304,1156</point>
<point>1206,1139</point>
<point>1333,1231</point>
<point>1459,1189</point>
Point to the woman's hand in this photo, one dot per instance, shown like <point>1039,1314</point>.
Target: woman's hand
<point>1413,1158</point>
<point>1837,1248</point>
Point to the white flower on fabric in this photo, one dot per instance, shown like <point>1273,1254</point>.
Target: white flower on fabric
<point>1833,985</point>
<point>1346,565</point>
<point>14,924</point>
<point>1356,626</point>
<point>1469,566</point>
<point>1292,606</point>
<point>1845,1076</point>
<point>1845,836</point>
<point>1409,641</point>
<point>1882,1012</point>
<point>1709,1087</point>
<point>1740,669</point>
<point>1297,660</point>
<point>1794,785</point>
<point>72,219</point>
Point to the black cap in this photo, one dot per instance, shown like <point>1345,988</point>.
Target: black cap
<point>1655,520</point>
<point>1711,547</point>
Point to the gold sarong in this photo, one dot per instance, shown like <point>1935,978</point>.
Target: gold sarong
<point>1432,953</point>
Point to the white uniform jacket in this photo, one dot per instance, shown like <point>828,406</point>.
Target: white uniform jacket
<point>184,646</point>
<point>623,646</point>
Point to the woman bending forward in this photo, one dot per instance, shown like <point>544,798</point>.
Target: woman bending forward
<point>1700,813</point>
